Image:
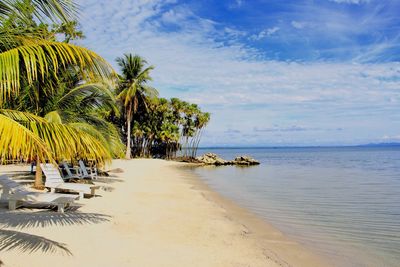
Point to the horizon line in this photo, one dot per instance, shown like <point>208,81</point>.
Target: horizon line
<point>304,146</point>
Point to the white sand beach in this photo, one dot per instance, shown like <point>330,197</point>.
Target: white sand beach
<point>151,214</point>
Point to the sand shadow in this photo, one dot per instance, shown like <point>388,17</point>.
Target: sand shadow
<point>24,242</point>
<point>15,240</point>
<point>109,180</point>
<point>46,218</point>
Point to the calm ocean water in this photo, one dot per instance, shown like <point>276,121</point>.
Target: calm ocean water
<point>343,203</point>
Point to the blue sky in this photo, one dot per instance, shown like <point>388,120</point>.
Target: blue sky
<point>271,72</point>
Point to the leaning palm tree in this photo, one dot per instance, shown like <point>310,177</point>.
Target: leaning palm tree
<point>133,89</point>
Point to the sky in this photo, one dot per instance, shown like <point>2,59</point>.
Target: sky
<point>270,72</point>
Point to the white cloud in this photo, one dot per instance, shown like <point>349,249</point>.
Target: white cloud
<point>271,31</point>
<point>175,16</point>
<point>394,138</point>
<point>236,4</point>
<point>351,1</point>
<point>241,91</point>
<point>265,33</point>
<point>298,24</point>
<point>334,32</point>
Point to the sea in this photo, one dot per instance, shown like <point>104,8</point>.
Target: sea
<point>343,203</point>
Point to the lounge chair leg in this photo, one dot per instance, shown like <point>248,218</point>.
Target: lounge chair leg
<point>5,193</point>
<point>93,191</point>
<point>61,207</point>
<point>12,204</point>
<point>81,195</point>
<point>52,190</point>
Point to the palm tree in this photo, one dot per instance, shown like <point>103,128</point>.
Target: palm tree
<point>133,89</point>
<point>29,57</point>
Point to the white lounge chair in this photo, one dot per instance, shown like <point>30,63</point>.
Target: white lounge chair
<point>87,172</point>
<point>17,196</point>
<point>54,181</point>
<point>70,175</point>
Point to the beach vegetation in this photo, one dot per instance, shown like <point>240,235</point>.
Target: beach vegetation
<point>133,91</point>
<point>154,126</point>
<point>44,83</point>
<point>61,101</point>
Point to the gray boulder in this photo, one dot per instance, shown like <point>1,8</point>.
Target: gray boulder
<point>214,159</point>
<point>245,160</point>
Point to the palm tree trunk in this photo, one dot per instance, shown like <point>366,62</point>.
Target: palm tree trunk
<point>128,136</point>
<point>38,176</point>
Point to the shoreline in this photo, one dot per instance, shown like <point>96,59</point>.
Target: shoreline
<point>277,246</point>
<point>155,213</point>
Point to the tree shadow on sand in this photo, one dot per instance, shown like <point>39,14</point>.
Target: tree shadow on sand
<point>109,179</point>
<point>48,218</point>
<point>10,240</point>
<point>24,242</point>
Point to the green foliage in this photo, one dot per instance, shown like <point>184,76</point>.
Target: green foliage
<point>133,90</point>
<point>54,96</point>
<point>59,100</point>
<point>163,127</point>
<point>160,127</point>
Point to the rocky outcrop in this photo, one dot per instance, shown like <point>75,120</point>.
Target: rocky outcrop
<point>214,159</point>
<point>245,160</point>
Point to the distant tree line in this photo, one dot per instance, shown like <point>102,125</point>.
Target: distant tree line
<point>154,126</point>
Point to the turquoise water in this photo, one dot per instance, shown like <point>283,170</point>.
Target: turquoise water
<point>343,203</point>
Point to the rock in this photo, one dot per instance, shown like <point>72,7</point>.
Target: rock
<point>214,159</point>
<point>245,160</point>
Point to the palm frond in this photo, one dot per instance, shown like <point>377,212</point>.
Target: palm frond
<point>150,91</point>
<point>53,116</point>
<point>17,141</point>
<point>54,10</point>
<point>89,129</point>
<point>5,8</point>
<point>34,135</point>
<point>144,75</point>
<point>89,122</point>
<point>88,96</point>
<point>39,58</point>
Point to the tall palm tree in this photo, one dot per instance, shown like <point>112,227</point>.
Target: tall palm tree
<point>133,89</point>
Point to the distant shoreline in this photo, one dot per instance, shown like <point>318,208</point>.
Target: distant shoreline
<point>284,147</point>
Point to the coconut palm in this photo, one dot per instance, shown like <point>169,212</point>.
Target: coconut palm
<point>133,89</point>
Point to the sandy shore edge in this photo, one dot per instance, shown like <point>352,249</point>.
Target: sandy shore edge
<point>275,245</point>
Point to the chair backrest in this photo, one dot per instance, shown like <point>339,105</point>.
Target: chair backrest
<point>52,173</point>
<point>67,169</point>
<point>10,185</point>
<point>83,168</point>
